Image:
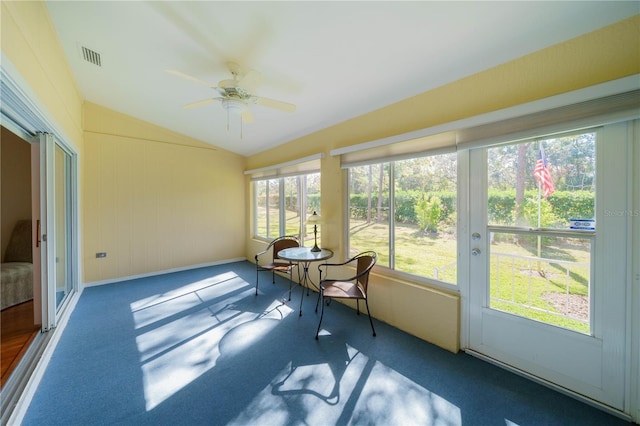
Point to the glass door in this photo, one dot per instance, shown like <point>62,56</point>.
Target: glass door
<point>548,261</point>
<point>58,233</point>
<point>62,188</point>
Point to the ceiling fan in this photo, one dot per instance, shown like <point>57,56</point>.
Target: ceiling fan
<point>235,94</point>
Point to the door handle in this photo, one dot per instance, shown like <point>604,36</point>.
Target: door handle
<point>475,251</point>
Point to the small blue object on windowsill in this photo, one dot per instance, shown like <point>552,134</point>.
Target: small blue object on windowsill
<point>582,224</point>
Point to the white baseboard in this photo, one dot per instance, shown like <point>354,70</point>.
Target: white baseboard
<point>162,272</point>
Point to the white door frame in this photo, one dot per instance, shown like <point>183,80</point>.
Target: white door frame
<point>49,234</point>
<point>24,114</point>
<point>610,385</point>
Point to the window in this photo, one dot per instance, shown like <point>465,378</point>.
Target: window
<point>406,211</point>
<point>283,204</point>
<point>541,207</point>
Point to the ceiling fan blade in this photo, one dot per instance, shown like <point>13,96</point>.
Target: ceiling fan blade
<point>188,77</point>
<point>247,116</point>
<point>200,103</point>
<point>251,80</point>
<point>272,103</point>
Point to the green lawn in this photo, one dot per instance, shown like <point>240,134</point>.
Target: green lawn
<point>551,286</point>
<point>417,253</point>
<point>514,281</point>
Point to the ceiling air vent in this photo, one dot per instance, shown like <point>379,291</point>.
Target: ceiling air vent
<point>91,56</point>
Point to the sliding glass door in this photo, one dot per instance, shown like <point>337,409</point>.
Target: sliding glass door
<point>58,233</point>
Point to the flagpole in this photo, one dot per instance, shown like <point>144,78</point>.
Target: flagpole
<point>539,212</point>
<point>545,183</point>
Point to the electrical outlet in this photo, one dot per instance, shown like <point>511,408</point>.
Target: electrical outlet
<point>101,254</point>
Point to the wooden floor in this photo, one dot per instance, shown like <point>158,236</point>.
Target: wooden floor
<point>16,333</point>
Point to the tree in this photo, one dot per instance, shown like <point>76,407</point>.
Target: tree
<point>521,165</point>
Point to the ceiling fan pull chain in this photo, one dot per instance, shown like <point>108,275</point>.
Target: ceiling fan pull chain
<point>241,127</point>
<point>227,120</point>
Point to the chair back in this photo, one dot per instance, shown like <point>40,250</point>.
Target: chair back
<point>282,243</point>
<point>366,260</point>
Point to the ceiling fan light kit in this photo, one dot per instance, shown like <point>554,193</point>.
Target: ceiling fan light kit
<point>235,94</point>
<point>234,106</point>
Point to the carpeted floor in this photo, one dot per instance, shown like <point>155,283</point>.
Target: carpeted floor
<point>199,348</point>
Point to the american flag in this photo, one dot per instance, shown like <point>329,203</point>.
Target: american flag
<point>542,175</point>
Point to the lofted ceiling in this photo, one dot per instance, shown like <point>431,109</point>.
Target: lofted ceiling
<point>333,60</point>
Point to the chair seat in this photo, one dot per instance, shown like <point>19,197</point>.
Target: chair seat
<point>278,266</point>
<point>342,289</point>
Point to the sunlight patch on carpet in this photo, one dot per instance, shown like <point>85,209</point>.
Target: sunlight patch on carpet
<point>307,391</point>
<point>247,334</point>
<point>183,333</point>
<point>178,353</point>
<point>349,389</point>
<point>161,306</point>
<point>388,397</point>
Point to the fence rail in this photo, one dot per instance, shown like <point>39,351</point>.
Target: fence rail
<point>563,304</point>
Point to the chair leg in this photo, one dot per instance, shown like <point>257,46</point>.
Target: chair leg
<point>319,286</point>
<point>301,299</point>
<point>257,277</point>
<point>321,313</point>
<point>366,302</point>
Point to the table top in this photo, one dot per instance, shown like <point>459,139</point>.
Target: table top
<point>304,254</point>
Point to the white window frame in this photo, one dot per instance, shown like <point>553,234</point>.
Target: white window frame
<point>302,206</point>
<point>391,269</point>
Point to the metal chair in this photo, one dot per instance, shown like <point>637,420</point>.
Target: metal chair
<point>276,264</point>
<point>354,287</point>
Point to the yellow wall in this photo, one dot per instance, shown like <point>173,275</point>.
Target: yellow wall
<point>155,200</point>
<point>31,44</point>
<point>603,55</point>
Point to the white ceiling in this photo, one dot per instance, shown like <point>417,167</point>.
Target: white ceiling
<point>334,60</point>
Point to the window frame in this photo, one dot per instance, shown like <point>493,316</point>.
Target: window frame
<point>391,270</point>
<point>554,232</point>
<point>302,203</point>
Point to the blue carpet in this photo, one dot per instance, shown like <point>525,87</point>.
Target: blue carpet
<point>199,348</point>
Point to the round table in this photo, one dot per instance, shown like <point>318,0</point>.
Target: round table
<point>304,256</point>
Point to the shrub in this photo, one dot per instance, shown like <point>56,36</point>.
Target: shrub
<point>559,207</point>
<point>530,213</point>
<point>427,211</point>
